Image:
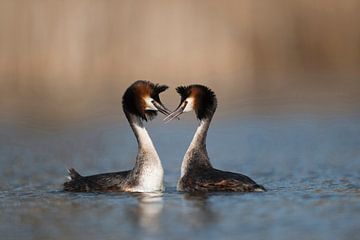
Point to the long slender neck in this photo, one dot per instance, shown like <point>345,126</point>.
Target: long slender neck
<point>196,155</point>
<point>147,174</point>
<point>146,149</point>
<point>199,139</point>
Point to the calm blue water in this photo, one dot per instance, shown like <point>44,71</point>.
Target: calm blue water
<point>310,165</point>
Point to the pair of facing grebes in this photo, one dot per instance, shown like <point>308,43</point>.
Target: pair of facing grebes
<point>141,102</point>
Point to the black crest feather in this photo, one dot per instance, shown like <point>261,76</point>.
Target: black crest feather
<point>133,102</point>
<point>205,102</point>
<point>157,89</point>
<point>184,91</point>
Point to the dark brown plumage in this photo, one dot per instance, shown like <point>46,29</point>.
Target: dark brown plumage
<point>136,110</point>
<point>134,103</point>
<point>106,182</point>
<point>214,180</point>
<point>197,173</point>
<point>205,99</point>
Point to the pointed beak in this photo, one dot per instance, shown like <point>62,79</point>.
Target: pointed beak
<point>161,108</point>
<point>176,113</point>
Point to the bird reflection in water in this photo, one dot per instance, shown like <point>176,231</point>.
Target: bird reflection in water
<point>146,214</point>
<point>202,213</point>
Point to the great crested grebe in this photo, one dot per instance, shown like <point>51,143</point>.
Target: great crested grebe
<point>197,173</point>
<point>140,103</point>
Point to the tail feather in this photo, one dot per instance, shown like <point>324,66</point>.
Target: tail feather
<point>73,174</point>
<point>259,188</point>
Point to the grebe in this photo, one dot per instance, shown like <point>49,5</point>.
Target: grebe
<point>140,103</point>
<point>197,173</point>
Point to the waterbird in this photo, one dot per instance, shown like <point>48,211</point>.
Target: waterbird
<point>140,103</point>
<point>197,173</point>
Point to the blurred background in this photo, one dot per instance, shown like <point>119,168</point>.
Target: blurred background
<point>65,61</point>
<point>287,78</point>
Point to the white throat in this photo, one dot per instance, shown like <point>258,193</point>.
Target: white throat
<point>144,139</point>
<point>190,104</point>
<point>151,171</point>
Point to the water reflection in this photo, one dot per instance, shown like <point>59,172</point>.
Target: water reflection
<point>311,168</point>
<point>202,214</point>
<point>146,214</point>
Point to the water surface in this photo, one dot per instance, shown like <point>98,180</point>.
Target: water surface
<point>310,166</point>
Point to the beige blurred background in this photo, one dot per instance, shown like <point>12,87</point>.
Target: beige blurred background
<point>64,61</point>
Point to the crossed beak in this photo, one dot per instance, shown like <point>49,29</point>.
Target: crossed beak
<point>161,108</point>
<point>177,112</point>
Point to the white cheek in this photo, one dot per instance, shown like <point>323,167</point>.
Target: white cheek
<point>149,104</point>
<point>190,105</point>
